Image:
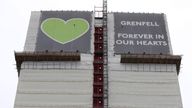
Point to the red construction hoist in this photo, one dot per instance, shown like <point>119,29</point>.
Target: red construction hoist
<point>100,63</point>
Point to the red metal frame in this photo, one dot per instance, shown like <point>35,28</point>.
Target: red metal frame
<point>98,30</point>
<point>98,102</point>
<point>98,69</point>
<point>98,38</point>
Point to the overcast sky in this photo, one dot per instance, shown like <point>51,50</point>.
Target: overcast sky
<point>14,20</point>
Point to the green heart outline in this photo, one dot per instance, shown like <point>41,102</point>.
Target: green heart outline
<point>65,22</point>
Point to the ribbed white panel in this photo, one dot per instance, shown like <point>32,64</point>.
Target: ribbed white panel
<point>111,35</point>
<point>154,77</point>
<point>144,100</point>
<point>54,88</point>
<point>148,89</point>
<point>144,89</point>
<point>51,105</point>
<point>30,42</point>
<point>168,35</point>
<point>54,99</point>
<point>56,76</point>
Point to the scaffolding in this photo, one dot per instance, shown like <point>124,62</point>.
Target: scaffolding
<point>100,63</point>
<point>21,57</point>
<point>152,58</point>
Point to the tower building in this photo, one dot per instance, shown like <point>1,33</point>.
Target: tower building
<point>85,59</point>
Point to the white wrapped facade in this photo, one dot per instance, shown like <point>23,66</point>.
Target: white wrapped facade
<point>70,84</point>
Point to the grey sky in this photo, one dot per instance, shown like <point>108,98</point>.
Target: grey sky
<point>14,19</point>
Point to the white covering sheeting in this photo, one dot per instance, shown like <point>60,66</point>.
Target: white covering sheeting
<point>56,84</point>
<point>133,87</point>
<point>30,42</point>
<point>140,85</point>
<point>64,88</point>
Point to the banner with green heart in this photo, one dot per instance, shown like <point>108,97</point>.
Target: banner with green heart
<point>69,31</point>
<point>63,31</point>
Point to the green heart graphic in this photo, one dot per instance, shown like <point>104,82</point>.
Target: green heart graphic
<point>64,31</point>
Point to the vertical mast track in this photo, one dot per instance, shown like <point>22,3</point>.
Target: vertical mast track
<point>105,54</point>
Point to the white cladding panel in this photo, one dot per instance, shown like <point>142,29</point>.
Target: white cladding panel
<point>57,76</point>
<point>30,42</point>
<point>54,88</point>
<point>131,85</point>
<point>54,98</point>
